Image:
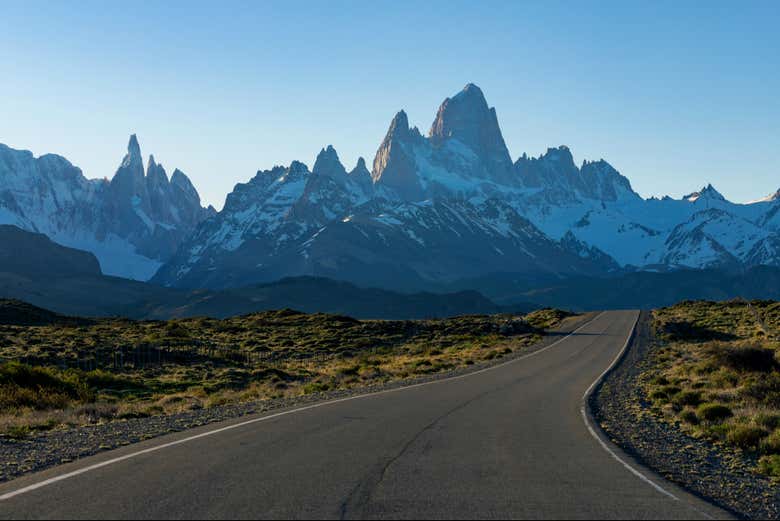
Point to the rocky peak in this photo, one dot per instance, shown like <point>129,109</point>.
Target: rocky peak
<point>561,155</point>
<point>129,179</point>
<point>602,181</point>
<point>133,160</point>
<point>394,165</point>
<point>133,148</point>
<point>467,118</point>
<point>707,193</point>
<point>360,168</point>
<point>180,180</point>
<point>155,174</point>
<point>328,164</point>
<point>297,170</point>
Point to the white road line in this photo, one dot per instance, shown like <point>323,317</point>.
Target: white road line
<point>113,461</point>
<point>590,425</point>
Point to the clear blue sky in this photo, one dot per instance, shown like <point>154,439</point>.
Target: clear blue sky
<point>673,95</point>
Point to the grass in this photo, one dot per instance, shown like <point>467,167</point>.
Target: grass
<point>292,354</point>
<point>716,374</point>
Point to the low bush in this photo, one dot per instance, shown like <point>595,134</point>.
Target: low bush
<point>689,416</point>
<point>713,412</point>
<point>746,436</point>
<point>692,398</point>
<point>768,420</point>
<point>770,465</point>
<point>771,444</point>
<point>40,388</point>
<point>744,358</point>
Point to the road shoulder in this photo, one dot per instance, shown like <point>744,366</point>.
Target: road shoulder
<point>691,466</point>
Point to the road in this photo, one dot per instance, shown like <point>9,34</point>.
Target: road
<point>508,442</point>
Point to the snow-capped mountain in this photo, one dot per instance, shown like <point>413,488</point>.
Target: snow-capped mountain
<point>453,205</point>
<point>433,209</point>
<point>132,223</point>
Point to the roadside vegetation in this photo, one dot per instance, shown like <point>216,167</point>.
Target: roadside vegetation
<point>57,371</point>
<point>716,374</point>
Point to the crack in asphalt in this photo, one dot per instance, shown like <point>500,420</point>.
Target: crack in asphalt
<point>361,494</point>
<point>369,489</point>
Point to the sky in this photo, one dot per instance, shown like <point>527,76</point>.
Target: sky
<point>673,94</point>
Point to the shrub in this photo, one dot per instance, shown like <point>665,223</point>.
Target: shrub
<point>746,436</point>
<point>765,390</point>
<point>750,358</point>
<point>771,445</point>
<point>670,390</point>
<point>40,388</point>
<point>689,416</point>
<point>768,420</point>
<point>714,412</point>
<point>659,395</point>
<point>770,465</point>
<point>315,387</point>
<point>659,380</point>
<point>692,398</point>
<point>18,432</point>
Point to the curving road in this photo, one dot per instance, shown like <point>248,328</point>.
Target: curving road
<point>508,442</point>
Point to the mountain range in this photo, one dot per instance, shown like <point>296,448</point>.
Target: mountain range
<point>132,223</point>
<point>434,211</point>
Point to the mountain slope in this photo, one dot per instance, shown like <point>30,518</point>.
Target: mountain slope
<point>36,270</point>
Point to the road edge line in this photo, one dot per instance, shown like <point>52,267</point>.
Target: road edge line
<point>600,436</point>
<point>96,466</point>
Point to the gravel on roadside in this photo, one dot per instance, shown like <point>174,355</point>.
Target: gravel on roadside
<point>47,449</point>
<point>714,472</point>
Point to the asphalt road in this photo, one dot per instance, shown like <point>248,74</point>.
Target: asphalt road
<point>508,442</point>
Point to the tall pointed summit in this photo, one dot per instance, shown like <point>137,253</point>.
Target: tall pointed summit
<point>467,118</point>
<point>394,164</point>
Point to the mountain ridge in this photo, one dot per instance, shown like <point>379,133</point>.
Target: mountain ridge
<point>454,205</point>
<point>431,210</point>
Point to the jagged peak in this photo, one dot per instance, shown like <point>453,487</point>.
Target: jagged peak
<point>180,180</point>
<point>471,91</point>
<point>155,171</point>
<point>328,163</point>
<point>361,163</point>
<point>600,164</point>
<point>328,153</point>
<point>297,167</point>
<point>467,119</point>
<point>133,148</point>
<point>461,115</point>
<point>399,127</point>
<point>560,154</point>
<point>708,192</point>
<point>360,168</point>
<point>132,163</point>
